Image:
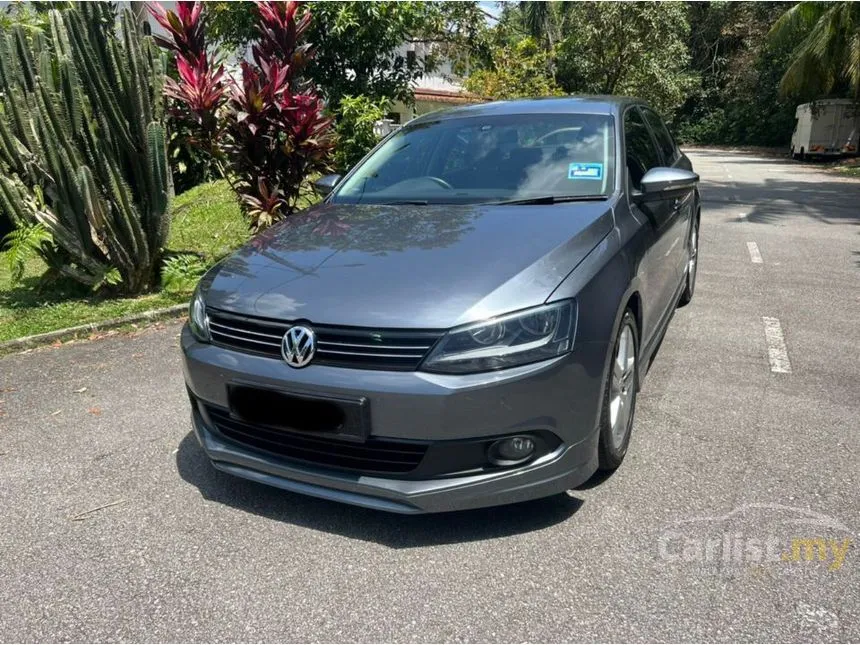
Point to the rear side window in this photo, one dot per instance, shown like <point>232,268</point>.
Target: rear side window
<point>664,139</point>
<point>641,154</point>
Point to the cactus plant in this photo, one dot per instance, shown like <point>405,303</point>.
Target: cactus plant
<point>82,144</point>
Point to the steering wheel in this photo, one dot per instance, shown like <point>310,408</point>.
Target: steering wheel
<point>439,181</point>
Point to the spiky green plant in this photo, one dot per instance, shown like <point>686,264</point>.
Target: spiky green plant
<point>82,145</point>
<point>22,244</point>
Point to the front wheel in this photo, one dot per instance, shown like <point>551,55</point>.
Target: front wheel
<point>619,397</point>
<point>692,264</point>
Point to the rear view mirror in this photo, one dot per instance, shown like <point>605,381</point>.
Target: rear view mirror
<point>660,183</point>
<point>324,185</point>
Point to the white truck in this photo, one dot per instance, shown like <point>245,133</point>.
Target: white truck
<point>826,128</point>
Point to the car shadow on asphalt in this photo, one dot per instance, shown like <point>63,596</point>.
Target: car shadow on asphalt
<point>394,531</point>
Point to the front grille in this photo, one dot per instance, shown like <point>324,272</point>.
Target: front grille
<point>372,349</point>
<point>372,456</point>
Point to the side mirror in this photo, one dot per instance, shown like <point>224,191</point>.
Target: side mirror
<point>324,185</point>
<point>662,183</point>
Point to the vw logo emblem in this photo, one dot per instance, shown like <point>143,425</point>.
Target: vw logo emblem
<point>298,346</point>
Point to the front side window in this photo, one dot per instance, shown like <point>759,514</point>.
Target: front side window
<point>489,158</point>
<point>640,150</point>
<point>664,139</point>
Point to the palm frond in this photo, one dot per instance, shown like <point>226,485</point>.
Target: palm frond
<point>536,18</point>
<point>799,19</point>
<point>828,51</point>
<point>852,64</point>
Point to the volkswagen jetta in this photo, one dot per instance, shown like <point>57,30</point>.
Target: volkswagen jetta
<point>464,321</point>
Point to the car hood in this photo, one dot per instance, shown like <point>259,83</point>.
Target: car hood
<point>407,266</point>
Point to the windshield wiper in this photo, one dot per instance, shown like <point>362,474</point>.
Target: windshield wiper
<point>406,202</point>
<point>550,199</point>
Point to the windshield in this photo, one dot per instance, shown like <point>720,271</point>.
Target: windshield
<point>487,159</point>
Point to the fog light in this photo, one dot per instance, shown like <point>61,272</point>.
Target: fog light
<point>511,451</point>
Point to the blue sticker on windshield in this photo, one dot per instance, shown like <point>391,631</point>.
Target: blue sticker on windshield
<point>585,171</point>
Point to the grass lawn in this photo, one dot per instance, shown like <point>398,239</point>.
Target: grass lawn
<point>206,221</point>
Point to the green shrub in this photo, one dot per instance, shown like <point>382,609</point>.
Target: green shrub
<point>23,244</point>
<point>191,164</point>
<point>354,129</point>
<point>180,273</point>
<point>708,127</point>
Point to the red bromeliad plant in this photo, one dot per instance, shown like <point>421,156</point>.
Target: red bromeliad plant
<point>275,134</point>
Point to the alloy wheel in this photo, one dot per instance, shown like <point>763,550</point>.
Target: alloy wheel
<point>694,252</point>
<point>621,391</point>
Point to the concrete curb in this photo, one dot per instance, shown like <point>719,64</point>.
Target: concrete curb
<point>73,332</point>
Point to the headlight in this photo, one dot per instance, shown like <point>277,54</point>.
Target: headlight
<point>197,318</point>
<point>517,339</point>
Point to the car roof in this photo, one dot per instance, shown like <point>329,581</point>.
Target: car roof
<point>548,105</point>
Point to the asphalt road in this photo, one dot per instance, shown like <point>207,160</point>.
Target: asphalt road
<point>114,526</point>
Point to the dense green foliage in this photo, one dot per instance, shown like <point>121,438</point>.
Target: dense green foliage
<point>31,16</point>
<point>595,48</point>
<point>82,145</point>
<point>354,43</point>
<point>516,70</point>
<point>358,44</point>
<point>355,133</point>
<point>709,67</point>
<point>633,48</point>
<point>737,98</point>
<point>190,163</point>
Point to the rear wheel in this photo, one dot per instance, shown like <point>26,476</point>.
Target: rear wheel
<point>692,264</point>
<point>619,397</point>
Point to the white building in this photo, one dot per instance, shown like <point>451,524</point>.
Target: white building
<point>434,91</point>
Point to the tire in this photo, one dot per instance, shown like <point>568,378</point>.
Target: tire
<point>692,264</point>
<point>802,156</point>
<point>619,396</point>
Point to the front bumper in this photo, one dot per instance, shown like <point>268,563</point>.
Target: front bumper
<point>558,396</point>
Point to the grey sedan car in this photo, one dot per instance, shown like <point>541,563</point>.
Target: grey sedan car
<point>464,321</point>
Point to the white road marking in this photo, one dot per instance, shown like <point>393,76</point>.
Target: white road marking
<point>776,352</point>
<point>755,255</point>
